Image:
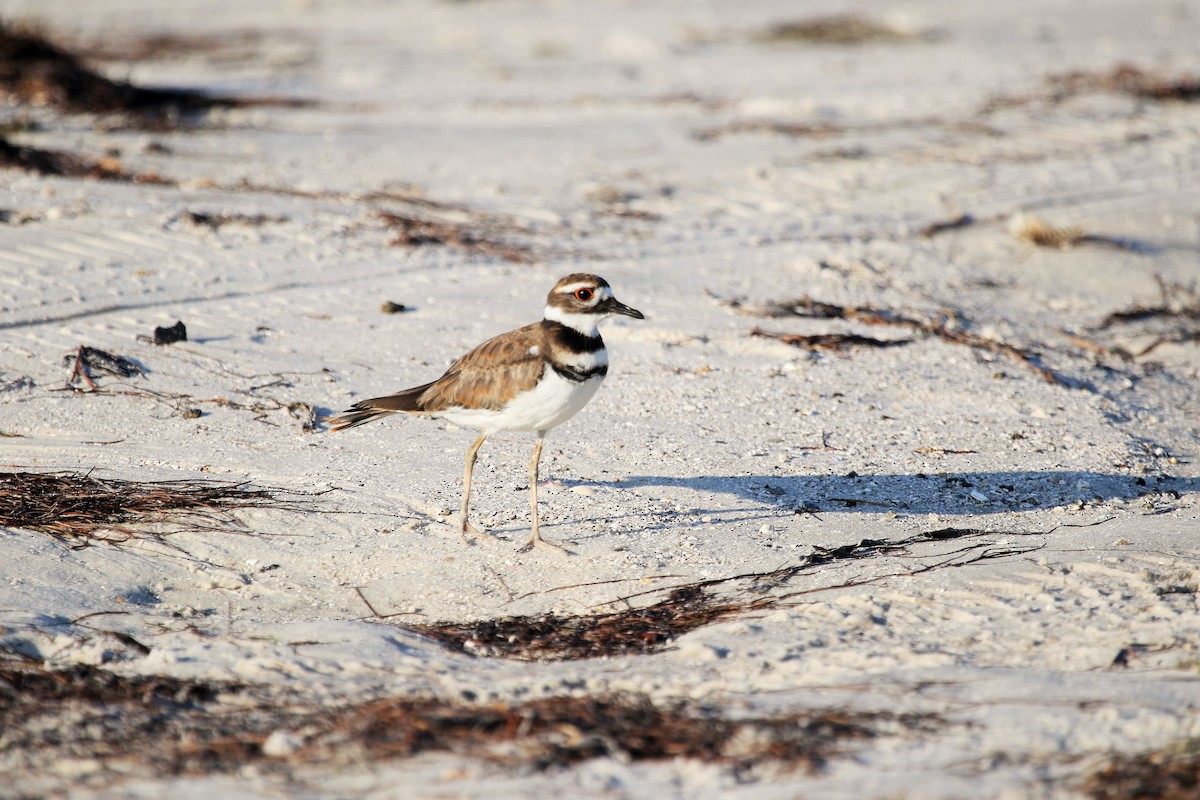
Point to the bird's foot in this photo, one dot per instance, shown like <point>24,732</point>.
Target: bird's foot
<point>470,532</point>
<point>538,541</point>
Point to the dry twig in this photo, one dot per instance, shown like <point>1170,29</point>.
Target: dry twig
<point>1175,300</point>
<point>945,326</point>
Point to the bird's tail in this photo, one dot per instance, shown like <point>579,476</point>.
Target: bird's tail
<point>365,411</point>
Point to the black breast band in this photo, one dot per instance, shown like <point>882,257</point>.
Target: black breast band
<point>576,375</point>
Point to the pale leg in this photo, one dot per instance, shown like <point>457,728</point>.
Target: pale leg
<point>472,453</point>
<point>535,540</point>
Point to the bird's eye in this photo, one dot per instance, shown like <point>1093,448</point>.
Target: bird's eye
<point>583,295</point>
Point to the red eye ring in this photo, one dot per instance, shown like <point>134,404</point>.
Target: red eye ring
<point>583,295</point>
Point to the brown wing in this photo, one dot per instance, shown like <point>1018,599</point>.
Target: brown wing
<point>491,374</point>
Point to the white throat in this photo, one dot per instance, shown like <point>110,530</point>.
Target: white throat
<point>586,324</point>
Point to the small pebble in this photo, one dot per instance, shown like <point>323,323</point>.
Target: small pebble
<point>281,743</point>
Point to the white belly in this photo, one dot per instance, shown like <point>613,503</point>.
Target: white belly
<point>552,402</point>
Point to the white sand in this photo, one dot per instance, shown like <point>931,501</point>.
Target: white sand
<point>694,457</point>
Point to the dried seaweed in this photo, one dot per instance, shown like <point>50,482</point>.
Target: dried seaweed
<point>835,342</point>
<point>175,726</point>
<point>26,684</point>
<point>70,165</point>
<point>816,130</point>
<point>423,232</point>
<point>86,361</point>
<point>560,731</point>
<point>945,326</point>
<point>789,129</point>
<point>1127,79</point>
<point>837,29</point>
<point>1171,773</point>
<point>651,628</point>
<point>83,509</point>
<point>952,224</point>
<point>555,637</point>
<point>205,219</point>
<point>35,71</point>
<point>1131,80</point>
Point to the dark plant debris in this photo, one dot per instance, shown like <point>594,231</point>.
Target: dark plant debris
<point>838,29</point>
<point>651,628</point>
<point>187,405</point>
<point>817,130</point>
<point>1175,300</point>
<point>1172,773</point>
<point>171,727</point>
<point>69,165</point>
<point>306,413</point>
<point>795,130</point>
<point>86,361</point>
<point>835,342</point>
<point>945,326</point>
<point>83,509</point>
<point>424,232</point>
<point>35,71</point>
<point>560,731</point>
<point>952,224</point>
<point>1174,318</point>
<point>555,637</point>
<point>1128,79</point>
<point>205,219</point>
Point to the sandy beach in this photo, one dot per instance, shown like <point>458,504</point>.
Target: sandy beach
<point>893,493</point>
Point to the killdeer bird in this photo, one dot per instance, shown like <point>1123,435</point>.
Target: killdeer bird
<point>530,379</point>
